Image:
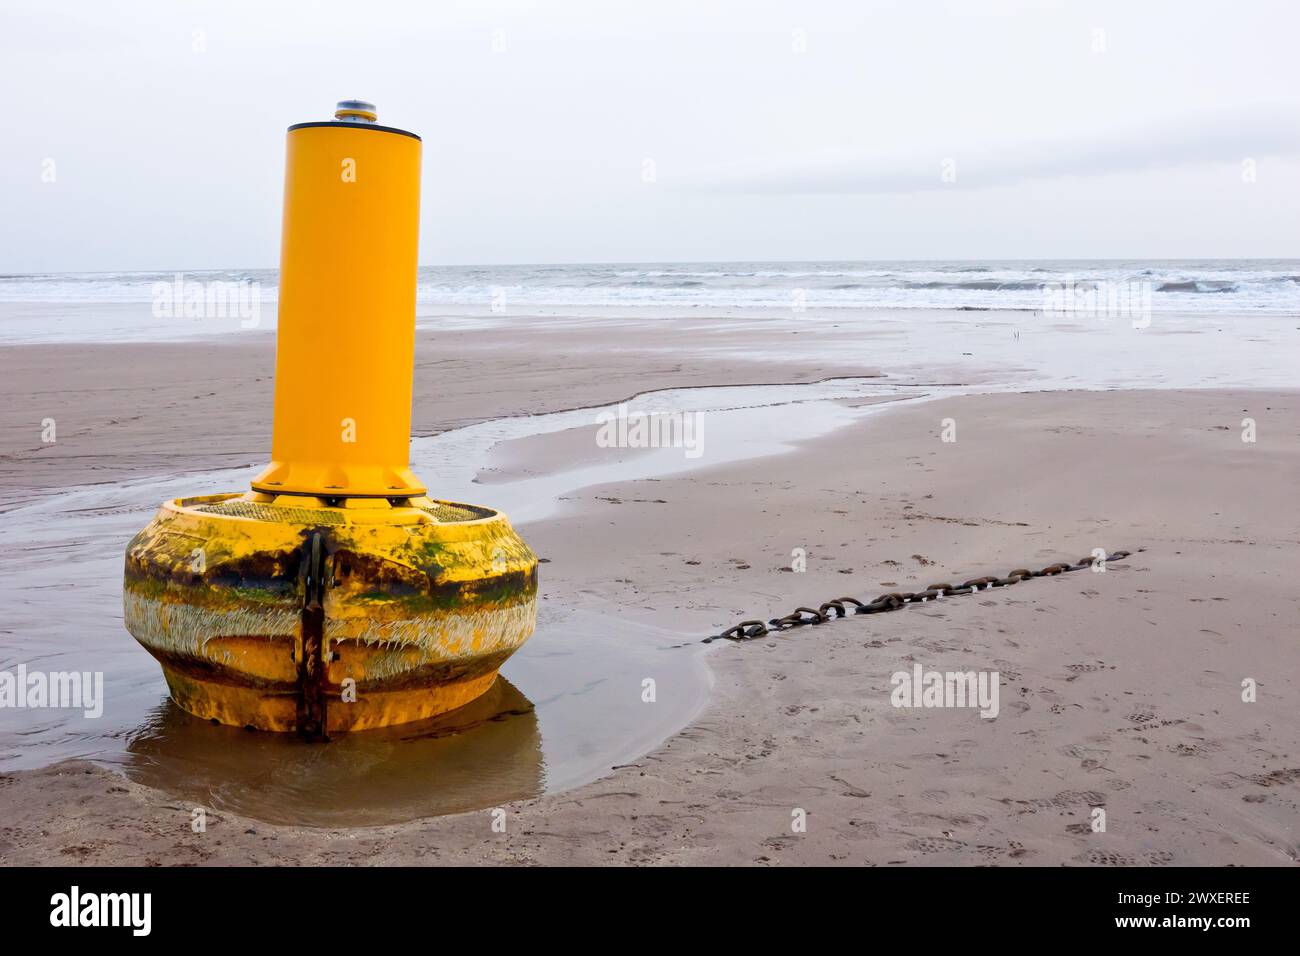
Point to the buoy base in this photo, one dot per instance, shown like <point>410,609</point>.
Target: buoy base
<point>260,709</point>
<point>287,613</point>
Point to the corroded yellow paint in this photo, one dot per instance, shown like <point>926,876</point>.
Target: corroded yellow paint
<point>420,601</point>
<point>419,614</point>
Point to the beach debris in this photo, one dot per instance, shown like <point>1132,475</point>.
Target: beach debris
<point>335,594</point>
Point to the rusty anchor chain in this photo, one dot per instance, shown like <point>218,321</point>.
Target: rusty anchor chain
<point>836,607</point>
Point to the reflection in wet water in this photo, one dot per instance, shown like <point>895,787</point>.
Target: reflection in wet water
<point>566,709</point>
<point>485,753</point>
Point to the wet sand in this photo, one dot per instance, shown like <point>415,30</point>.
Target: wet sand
<point>1119,690</point>
<point>131,410</point>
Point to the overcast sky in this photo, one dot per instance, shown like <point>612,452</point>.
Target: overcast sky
<point>773,130</point>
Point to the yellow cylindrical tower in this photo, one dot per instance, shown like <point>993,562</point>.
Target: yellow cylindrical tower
<point>347,311</point>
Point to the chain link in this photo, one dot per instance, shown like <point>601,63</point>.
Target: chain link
<point>801,616</point>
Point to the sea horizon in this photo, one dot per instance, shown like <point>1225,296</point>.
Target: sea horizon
<point>1213,285</point>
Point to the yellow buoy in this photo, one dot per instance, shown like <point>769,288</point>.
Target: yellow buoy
<point>335,595</point>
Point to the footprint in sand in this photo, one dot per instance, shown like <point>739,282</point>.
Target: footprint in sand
<point>916,819</point>
<point>1197,748</point>
<point>1080,752</point>
<point>1276,778</point>
<point>1065,800</point>
<point>1086,668</point>
<point>991,852</point>
<point>1007,670</point>
<point>1111,858</point>
<point>935,845</point>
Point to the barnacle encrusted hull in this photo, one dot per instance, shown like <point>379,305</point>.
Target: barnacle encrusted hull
<point>298,613</point>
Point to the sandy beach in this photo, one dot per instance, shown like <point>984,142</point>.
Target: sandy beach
<point>1120,690</point>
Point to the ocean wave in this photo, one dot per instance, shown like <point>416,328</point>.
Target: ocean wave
<point>981,285</point>
<point>1197,286</point>
<point>645,284</point>
<point>1211,287</point>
